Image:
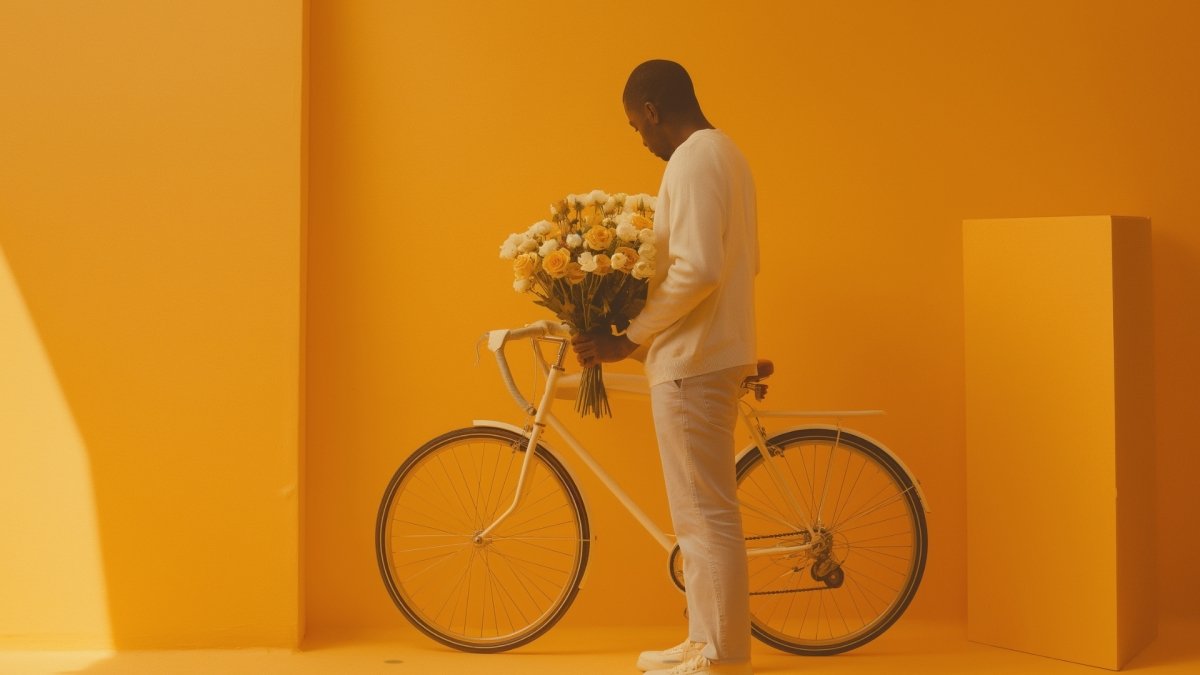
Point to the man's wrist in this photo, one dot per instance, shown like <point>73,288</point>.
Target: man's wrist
<point>631,332</point>
<point>628,345</point>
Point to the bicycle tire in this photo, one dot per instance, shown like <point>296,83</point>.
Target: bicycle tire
<point>874,542</point>
<point>481,595</point>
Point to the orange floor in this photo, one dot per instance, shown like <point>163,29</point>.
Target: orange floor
<point>908,648</point>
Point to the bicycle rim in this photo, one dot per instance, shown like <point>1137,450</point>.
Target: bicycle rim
<point>481,595</point>
<point>869,549</point>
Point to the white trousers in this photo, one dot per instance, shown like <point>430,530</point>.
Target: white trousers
<point>694,419</point>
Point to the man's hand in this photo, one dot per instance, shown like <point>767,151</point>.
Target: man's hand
<point>600,346</point>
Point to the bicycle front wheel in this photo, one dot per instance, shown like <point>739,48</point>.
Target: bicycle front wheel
<point>474,593</point>
<point>844,582</point>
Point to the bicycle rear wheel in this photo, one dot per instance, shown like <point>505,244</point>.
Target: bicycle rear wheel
<point>471,593</point>
<point>868,553</point>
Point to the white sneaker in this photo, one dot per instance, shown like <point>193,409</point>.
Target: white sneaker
<point>669,658</point>
<point>699,665</point>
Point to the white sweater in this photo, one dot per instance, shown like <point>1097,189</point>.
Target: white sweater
<point>700,308</point>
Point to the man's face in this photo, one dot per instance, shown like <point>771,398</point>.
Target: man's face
<point>644,120</point>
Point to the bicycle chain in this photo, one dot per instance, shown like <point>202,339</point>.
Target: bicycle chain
<point>791,590</point>
<point>777,536</point>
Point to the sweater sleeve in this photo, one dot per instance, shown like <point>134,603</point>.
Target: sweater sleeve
<point>696,247</point>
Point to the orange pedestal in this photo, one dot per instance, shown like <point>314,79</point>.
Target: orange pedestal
<point>1060,436</point>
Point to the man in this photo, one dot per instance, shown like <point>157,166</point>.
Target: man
<point>700,315</point>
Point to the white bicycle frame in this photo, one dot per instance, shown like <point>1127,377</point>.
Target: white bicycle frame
<point>558,334</point>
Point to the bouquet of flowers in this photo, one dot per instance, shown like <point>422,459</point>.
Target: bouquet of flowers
<point>590,264</point>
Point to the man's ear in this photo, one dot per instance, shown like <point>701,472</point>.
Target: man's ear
<point>651,113</point>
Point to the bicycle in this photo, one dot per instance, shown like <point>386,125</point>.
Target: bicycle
<point>834,523</point>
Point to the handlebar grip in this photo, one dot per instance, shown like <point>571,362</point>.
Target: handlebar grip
<point>539,329</point>
<point>497,340</point>
<point>512,386</point>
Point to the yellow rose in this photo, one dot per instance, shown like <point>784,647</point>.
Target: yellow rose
<point>603,264</point>
<point>628,261</point>
<point>641,222</point>
<point>575,273</point>
<point>525,265</point>
<point>598,238</point>
<point>556,263</point>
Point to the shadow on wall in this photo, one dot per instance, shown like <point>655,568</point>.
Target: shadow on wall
<point>1177,381</point>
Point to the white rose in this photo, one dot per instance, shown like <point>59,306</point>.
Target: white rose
<point>610,205</point>
<point>646,236</point>
<point>522,285</point>
<point>598,197</point>
<point>587,261</point>
<point>625,230</point>
<point>508,250</point>
<point>548,247</point>
<point>574,240</point>
<point>553,211</point>
<point>527,244</point>
<point>619,260</point>
<point>643,269</point>
<point>647,251</point>
<point>651,202</point>
<point>541,227</point>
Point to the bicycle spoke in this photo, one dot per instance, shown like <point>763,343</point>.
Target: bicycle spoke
<point>522,576</point>
<point>778,519</point>
<point>565,554</point>
<point>437,560</point>
<point>868,511</point>
<point>438,494</point>
<point>454,490</point>
<point>435,546</point>
<point>502,494</point>
<point>867,533</point>
<point>498,592</point>
<point>837,513</point>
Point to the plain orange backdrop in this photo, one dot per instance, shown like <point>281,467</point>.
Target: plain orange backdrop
<point>874,129</point>
<point>238,408</point>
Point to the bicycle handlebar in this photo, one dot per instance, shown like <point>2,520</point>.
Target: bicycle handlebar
<point>498,338</point>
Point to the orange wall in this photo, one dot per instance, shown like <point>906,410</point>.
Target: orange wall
<point>152,227</point>
<point>150,230</point>
<point>874,129</point>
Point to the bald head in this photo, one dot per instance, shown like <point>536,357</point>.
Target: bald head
<point>666,85</point>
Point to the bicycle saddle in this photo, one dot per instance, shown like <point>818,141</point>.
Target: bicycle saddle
<point>765,370</point>
<point>754,382</point>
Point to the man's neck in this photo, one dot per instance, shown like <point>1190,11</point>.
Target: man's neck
<point>684,130</point>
